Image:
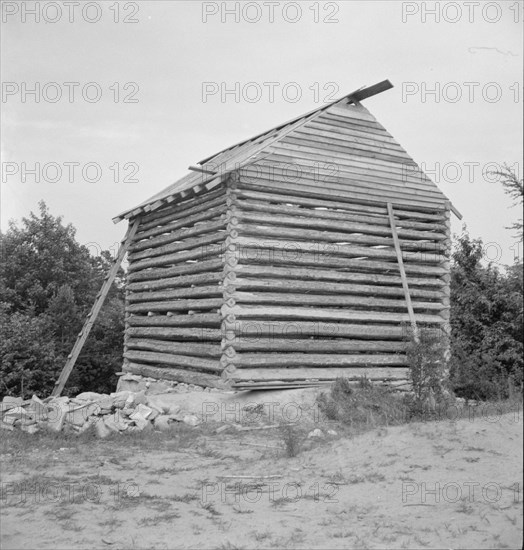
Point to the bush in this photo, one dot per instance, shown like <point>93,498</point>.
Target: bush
<point>486,325</point>
<point>362,405</point>
<point>427,370</point>
<point>28,359</point>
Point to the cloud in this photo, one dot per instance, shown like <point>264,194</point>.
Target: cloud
<point>473,49</point>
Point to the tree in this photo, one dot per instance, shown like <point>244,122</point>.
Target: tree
<point>48,283</point>
<point>39,258</point>
<point>514,187</point>
<point>487,314</point>
<point>486,324</point>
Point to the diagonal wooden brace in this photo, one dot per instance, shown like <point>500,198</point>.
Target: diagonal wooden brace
<point>405,286</point>
<point>95,310</point>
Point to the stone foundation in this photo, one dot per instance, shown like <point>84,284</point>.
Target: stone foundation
<point>136,383</point>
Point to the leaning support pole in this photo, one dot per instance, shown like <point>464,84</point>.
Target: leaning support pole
<point>405,286</point>
<point>95,310</point>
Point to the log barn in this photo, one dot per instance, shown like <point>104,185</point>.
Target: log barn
<point>300,255</point>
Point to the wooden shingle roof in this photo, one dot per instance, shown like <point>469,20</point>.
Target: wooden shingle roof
<point>339,147</point>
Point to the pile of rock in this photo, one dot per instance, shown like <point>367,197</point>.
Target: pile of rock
<point>121,412</point>
<point>136,382</point>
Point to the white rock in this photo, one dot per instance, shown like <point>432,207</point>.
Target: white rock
<point>113,424</point>
<point>156,409</point>
<point>162,423</point>
<point>17,413</point>
<point>56,415</point>
<point>316,433</point>
<point>92,421</point>
<point>141,411</point>
<point>191,420</point>
<point>30,429</point>
<point>39,408</point>
<point>140,422</point>
<point>102,430</point>
<point>90,396</point>
<point>10,402</point>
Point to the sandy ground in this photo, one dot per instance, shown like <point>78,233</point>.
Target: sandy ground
<point>445,484</point>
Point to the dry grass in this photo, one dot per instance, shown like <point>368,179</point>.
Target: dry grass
<point>368,407</point>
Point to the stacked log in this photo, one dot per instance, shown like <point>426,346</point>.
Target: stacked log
<point>313,290</point>
<point>248,285</point>
<point>174,292</point>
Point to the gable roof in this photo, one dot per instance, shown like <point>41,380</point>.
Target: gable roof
<point>293,138</point>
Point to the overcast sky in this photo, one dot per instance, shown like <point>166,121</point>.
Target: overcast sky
<point>150,95</point>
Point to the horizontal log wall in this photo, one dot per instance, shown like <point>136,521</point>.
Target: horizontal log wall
<point>252,285</point>
<point>175,292</point>
<point>313,289</point>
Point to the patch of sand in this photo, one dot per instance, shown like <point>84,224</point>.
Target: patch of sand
<point>423,485</point>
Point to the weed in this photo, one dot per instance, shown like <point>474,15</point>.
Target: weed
<point>260,536</point>
<point>149,522</point>
<point>464,507</point>
<point>228,546</point>
<point>428,369</point>
<point>338,478</point>
<point>197,529</point>
<point>209,507</point>
<point>342,534</point>
<point>280,501</point>
<point>70,525</point>
<point>186,498</point>
<point>363,407</point>
<point>61,514</point>
<point>210,453</point>
<point>112,523</point>
<point>292,438</point>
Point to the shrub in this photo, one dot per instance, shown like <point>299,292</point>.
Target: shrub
<point>427,370</point>
<point>292,437</point>
<point>362,405</point>
<point>28,358</point>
